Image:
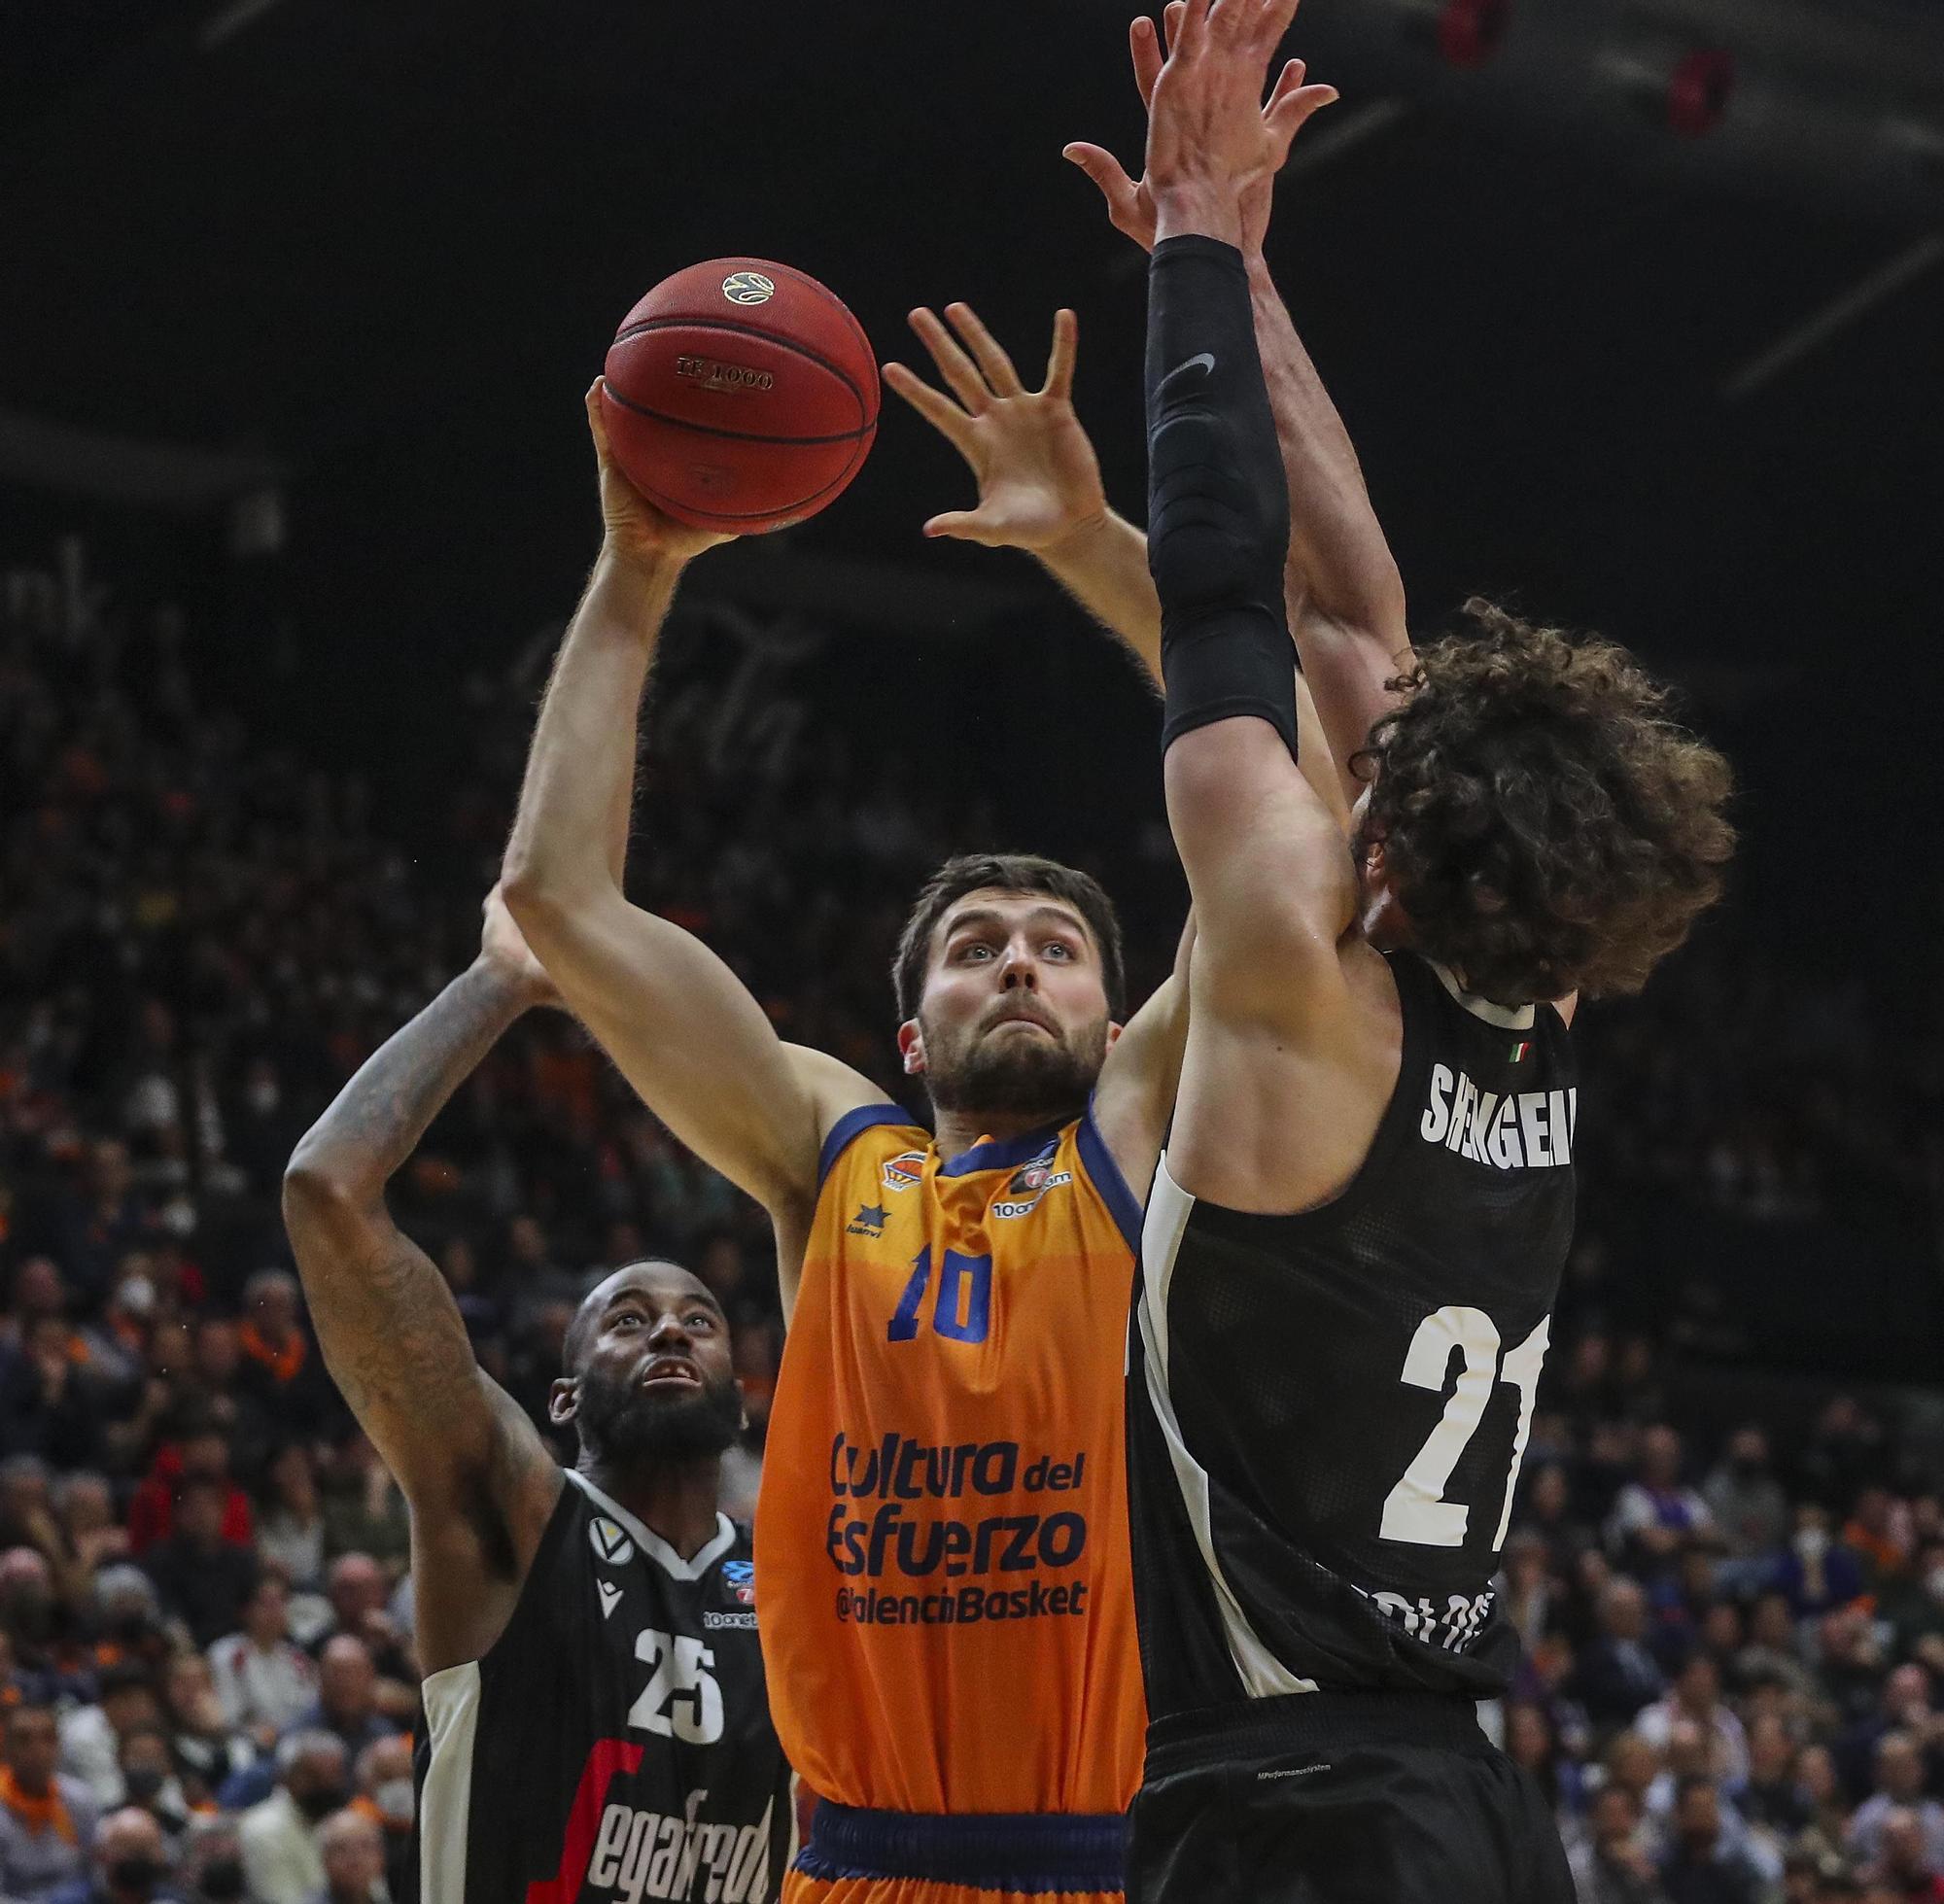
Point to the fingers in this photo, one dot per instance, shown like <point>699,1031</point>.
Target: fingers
<point>1189,34</point>
<point>933,406</point>
<point>1171,19</point>
<point>1145,45</point>
<point>961,376</point>
<point>1106,172</point>
<point>998,367</point>
<point>1288,111</point>
<point>1059,360</point>
<point>597,423</point>
<point>962,525</point>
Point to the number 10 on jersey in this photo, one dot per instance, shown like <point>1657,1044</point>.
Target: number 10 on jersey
<point>1416,1510</point>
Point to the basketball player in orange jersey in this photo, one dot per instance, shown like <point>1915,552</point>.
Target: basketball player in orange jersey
<point>943,1579</point>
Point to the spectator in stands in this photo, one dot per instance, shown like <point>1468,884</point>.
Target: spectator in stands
<point>199,1570</point>
<point>388,1796</point>
<point>90,1736</point>
<point>1915,1607</point>
<point>130,1864</point>
<point>354,1861</point>
<point>1526,1589</point>
<point>365,1511</point>
<point>1655,1516</point>
<point>1697,1695</point>
<point>347,1695</point>
<point>1904,1867</point>
<point>50,1403</point>
<point>264,1680</point>
<point>359,1593</point>
<point>1773,1651</point>
<point>210,1868</point>
<point>91,1536</point>
<point>1617,1674</point>
<point>200,1456</point>
<point>290,1532</point>
<point>208,1751</point>
<point>1745,1500</point>
<point>280,1366</point>
<point>1612,1862</point>
<point>149,1779</point>
<point>281,1863</point>
<point>1703,1865</point>
<point>1770,1799</point>
<point>47,1819</point>
<point>1817,1573</point>
<point>1899,1788</point>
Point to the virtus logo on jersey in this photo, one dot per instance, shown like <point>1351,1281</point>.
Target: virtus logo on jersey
<point>609,1542</point>
<point>749,287</point>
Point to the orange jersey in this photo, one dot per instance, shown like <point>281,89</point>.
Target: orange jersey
<point>942,1552</point>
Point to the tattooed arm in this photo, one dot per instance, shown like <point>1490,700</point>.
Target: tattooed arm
<point>480,1482</point>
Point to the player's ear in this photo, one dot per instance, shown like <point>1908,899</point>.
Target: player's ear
<point>1114,1031</point>
<point>911,1046</point>
<point>564,1400</point>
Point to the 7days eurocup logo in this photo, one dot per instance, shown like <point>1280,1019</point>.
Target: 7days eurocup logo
<point>748,287</point>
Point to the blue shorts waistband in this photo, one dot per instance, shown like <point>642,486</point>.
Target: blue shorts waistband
<point>983,1850</point>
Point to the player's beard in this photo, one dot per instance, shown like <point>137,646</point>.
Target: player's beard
<point>620,1421</point>
<point>1040,1078</point>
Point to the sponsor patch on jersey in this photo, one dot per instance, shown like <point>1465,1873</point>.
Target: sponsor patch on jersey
<point>1027,1186</point>
<point>609,1542</point>
<point>868,1222</point>
<point>740,1577</point>
<point>738,1619</point>
<point>905,1171</point>
<point>611,1597</point>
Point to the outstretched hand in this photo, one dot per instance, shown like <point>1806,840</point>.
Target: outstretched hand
<point>634,528</point>
<point>1130,205</point>
<point>1039,480</point>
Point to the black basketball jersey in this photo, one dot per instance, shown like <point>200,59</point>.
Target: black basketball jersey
<point>1327,1412</point>
<point>615,1742</point>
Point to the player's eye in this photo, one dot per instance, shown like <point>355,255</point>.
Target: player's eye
<point>1058,948</point>
<point>976,948</point>
<point>627,1316</point>
<point>700,1318</point>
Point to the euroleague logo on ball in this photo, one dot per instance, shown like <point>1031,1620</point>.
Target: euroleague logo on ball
<point>749,287</point>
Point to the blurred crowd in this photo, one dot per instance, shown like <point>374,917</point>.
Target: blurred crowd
<point>1734,1650</point>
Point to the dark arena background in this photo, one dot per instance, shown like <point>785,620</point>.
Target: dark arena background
<point>1635,314</point>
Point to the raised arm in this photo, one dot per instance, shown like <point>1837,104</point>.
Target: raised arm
<point>678,1022</point>
<point>1040,490</point>
<point>1277,1024</point>
<point>1039,479</point>
<point>478,1478</point>
<point>1342,592</point>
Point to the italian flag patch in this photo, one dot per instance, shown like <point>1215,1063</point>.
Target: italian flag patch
<point>1519,1051</point>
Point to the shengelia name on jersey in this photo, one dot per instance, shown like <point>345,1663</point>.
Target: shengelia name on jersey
<point>1521,1130</point>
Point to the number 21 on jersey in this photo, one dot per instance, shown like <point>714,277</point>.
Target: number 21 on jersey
<point>1415,1510</point>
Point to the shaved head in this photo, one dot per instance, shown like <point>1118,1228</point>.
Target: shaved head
<point>650,1373</point>
<point>651,1272</point>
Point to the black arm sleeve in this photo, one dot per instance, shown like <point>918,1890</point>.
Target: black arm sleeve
<point>1218,506</point>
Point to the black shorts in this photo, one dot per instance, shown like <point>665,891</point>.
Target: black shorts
<point>1339,1798</point>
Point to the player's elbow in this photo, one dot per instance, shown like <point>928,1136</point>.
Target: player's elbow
<point>539,893</point>
<point>318,1192</point>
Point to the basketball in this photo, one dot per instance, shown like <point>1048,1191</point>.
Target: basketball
<point>740,395</point>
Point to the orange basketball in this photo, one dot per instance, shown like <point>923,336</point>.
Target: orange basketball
<point>740,394</point>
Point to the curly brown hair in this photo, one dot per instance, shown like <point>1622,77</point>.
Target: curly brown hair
<point>1547,827</point>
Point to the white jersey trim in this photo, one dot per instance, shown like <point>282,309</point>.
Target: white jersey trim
<point>1507,1018</point>
<point>651,1544</point>
<point>1263,1676</point>
<point>445,1803</point>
